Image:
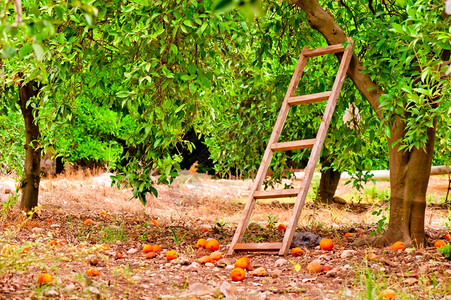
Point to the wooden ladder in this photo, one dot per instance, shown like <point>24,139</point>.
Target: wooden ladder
<point>273,145</point>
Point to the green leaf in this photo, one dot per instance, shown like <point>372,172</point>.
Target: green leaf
<point>8,51</point>
<point>38,51</point>
<point>222,6</point>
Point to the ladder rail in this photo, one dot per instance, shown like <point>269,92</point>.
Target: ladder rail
<point>316,150</point>
<point>273,145</point>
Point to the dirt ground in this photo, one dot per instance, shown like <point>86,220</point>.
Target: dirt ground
<point>59,240</point>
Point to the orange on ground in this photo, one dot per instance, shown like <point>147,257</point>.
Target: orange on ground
<point>45,278</point>
<point>297,251</point>
<point>88,222</point>
<point>237,274</point>
<point>205,259</point>
<point>155,222</point>
<point>150,254</point>
<point>447,237</point>
<point>398,246</point>
<point>326,244</point>
<point>171,254</point>
<point>212,245</point>
<point>119,255</point>
<point>327,268</point>
<point>246,259</point>
<point>348,234</point>
<point>201,253</point>
<point>201,243</point>
<point>53,243</point>
<point>281,227</point>
<point>314,267</point>
<point>241,263</point>
<point>147,248</point>
<point>388,294</point>
<point>439,243</point>
<point>216,255</point>
<point>204,229</point>
<point>156,248</point>
<point>93,272</point>
<point>50,220</point>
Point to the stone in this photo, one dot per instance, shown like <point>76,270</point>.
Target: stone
<point>347,253</point>
<point>229,267</point>
<point>51,293</point>
<point>200,290</point>
<point>254,226</point>
<point>94,290</point>
<point>339,200</point>
<point>305,240</point>
<point>132,251</point>
<point>38,230</point>
<point>260,271</point>
<point>55,226</point>
<point>210,265</point>
<point>228,291</point>
<point>195,265</point>
<point>280,262</point>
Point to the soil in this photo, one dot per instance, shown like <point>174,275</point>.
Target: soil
<point>197,206</point>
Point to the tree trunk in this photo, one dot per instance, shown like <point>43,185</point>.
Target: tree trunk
<point>31,177</point>
<point>409,170</point>
<point>328,183</point>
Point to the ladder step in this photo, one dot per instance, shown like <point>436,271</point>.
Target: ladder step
<point>285,146</point>
<point>325,50</point>
<point>309,98</point>
<point>270,194</point>
<point>257,246</point>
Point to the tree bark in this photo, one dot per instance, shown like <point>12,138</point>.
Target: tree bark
<point>328,183</point>
<point>31,177</point>
<point>409,170</point>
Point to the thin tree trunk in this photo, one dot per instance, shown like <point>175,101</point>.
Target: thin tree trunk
<point>31,177</point>
<point>409,170</point>
<point>328,183</point>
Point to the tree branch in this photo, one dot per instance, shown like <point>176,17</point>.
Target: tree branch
<point>324,23</point>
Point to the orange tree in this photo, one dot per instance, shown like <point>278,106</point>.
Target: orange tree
<point>400,68</point>
<point>147,61</point>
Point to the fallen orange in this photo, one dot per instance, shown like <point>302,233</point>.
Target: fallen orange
<point>326,244</point>
<point>439,243</point>
<point>45,278</point>
<point>201,243</point>
<point>212,245</point>
<point>170,255</point>
<point>297,251</point>
<point>237,274</point>
<point>147,248</point>
<point>398,246</point>
<point>93,272</point>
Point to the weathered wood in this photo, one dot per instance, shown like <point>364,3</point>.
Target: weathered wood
<point>293,145</point>
<point>316,150</point>
<point>272,194</point>
<point>261,247</point>
<point>325,50</point>
<point>309,98</point>
<point>273,145</point>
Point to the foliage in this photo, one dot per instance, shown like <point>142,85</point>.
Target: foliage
<point>11,142</point>
<point>446,250</point>
<point>242,117</point>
